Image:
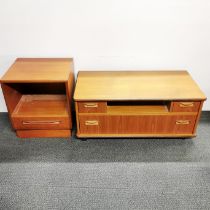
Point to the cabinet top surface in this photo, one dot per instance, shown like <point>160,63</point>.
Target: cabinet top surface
<point>136,85</point>
<point>39,70</point>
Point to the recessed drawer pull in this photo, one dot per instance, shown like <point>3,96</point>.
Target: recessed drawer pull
<point>186,104</point>
<point>90,105</point>
<point>41,122</point>
<point>91,122</point>
<point>183,122</point>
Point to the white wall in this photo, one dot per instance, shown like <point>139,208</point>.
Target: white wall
<point>110,34</point>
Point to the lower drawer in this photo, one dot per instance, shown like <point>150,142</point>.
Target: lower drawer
<point>22,123</point>
<point>137,124</point>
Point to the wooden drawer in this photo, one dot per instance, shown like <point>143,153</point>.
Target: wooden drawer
<point>190,106</point>
<point>144,124</point>
<point>92,107</point>
<point>24,123</point>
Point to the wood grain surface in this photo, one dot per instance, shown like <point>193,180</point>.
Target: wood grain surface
<point>136,85</point>
<point>39,70</point>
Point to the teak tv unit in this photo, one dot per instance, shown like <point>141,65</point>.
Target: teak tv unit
<point>38,95</point>
<point>137,104</point>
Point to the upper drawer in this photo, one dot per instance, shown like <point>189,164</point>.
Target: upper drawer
<point>185,106</point>
<point>92,107</point>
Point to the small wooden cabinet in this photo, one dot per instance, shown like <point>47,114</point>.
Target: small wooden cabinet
<point>38,94</point>
<point>137,104</point>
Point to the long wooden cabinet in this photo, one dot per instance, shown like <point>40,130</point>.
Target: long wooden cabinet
<point>38,95</point>
<point>137,104</point>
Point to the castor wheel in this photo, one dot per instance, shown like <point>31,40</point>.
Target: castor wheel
<point>83,139</point>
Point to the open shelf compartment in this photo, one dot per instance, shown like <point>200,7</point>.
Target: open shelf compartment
<point>41,106</point>
<point>137,107</point>
<point>38,105</point>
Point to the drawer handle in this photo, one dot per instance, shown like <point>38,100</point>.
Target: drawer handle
<point>182,122</point>
<point>186,104</point>
<point>41,122</point>
<point>91,122</point>
<point>90,105</point>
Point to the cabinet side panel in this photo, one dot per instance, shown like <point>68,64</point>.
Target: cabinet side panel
<point>77,118</point>
<point>11,96</point>
<point>69,93</point>
<point>198,117</point>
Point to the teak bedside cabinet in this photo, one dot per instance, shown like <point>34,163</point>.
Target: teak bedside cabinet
<point>137,104</point>
<point>38,94</point>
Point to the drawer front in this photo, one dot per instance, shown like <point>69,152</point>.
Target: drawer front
<point>92,107</point>
<point>191,106</point>
<point>26,123</point>
<point>137,124</point>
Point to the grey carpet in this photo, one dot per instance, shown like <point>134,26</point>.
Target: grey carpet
<point>104,173</point>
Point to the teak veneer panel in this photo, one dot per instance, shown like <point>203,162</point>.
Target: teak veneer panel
<point>136,85</point>
<point>136,109</point>
<point>42,106</point>
<point>43,133</point>
<point>92,107</point>
<point>11,96</point>
<point>41,123</point>
<point>183,106</point>
<point>39,70</point>
<point>41,112</point>
<point>38,95</point>
<point>156,124</point>
<point>142,135</point>
<point>138,104</point>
